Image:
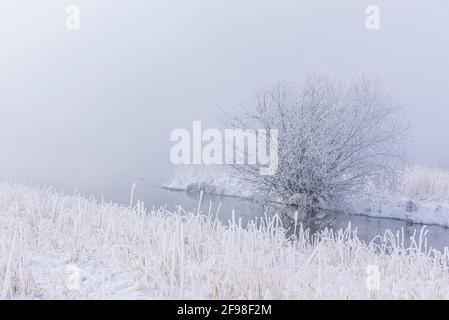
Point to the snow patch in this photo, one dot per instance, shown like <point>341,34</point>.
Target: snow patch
<point>210,180</point>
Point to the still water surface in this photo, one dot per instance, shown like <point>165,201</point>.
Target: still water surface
<point>367,227</point>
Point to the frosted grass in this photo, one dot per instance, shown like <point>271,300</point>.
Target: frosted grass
<point>424,183</point>
<point>129,252</point>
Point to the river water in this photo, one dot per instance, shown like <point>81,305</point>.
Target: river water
<point>227,207</point>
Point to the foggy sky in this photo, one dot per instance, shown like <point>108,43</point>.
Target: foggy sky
<point>94,108</point>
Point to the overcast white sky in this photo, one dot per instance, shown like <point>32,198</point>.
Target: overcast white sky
<point>94,108</point>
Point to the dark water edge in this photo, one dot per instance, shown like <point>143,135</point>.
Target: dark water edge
<point>228,208</point>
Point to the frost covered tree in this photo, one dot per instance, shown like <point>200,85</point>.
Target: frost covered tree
<point>333,136</point>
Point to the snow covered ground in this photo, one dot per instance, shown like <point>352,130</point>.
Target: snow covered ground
<point>421,197</point>
<point>211,180</point>
<point>69,247</point>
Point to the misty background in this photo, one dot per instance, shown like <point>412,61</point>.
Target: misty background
<point>93,109</point>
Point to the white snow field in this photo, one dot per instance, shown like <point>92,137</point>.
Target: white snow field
<point>54,246</point>
<point>422,195</point>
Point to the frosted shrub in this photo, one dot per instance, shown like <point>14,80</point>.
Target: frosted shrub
<point>422,183</point>
<point>333,137</point>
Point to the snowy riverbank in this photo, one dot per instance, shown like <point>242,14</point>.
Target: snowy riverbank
<point>70,247</point>
<point>422,195</point>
